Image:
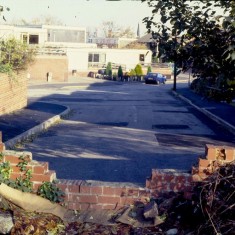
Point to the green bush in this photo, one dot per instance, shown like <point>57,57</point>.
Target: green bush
<point>15,55</point>
<point>109,71</point>
<point>149,70</point>
<point>138,71</point>
<point>120,72</point>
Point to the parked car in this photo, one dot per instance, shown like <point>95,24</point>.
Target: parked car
<point>156,78</point>
<point>101,73</point>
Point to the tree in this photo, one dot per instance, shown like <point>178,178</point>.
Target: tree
<point>192,36</point>
<point>149,70</point>
<point>112,30</point>
<point>138,71</point>
<point>136,45</point>
<point>120,72</point>
<point>42,20</point>
<point>108,70</point>
<point>15,56</point>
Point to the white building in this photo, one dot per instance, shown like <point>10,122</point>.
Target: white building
<point>71,42</point>
<point>88,58</point>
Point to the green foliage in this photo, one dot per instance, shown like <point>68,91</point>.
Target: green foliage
<point>138,70</point>
<point>23,182</point>
<point>132,73</point>
<point>196,39</point>
<point>149,70</point>
<point>108,70</point>
<point>120,72</point>
<point>5,68</point>
<point>15,55</point>
<point>47,189</point>
<point>5,171</point>
<point>51,192</point>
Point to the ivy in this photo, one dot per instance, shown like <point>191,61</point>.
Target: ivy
<point>50,191</point>
<point>23,183</point>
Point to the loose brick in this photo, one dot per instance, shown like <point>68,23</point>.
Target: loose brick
<point>230,154</point>
<point>211,152</point>
<point>205,163</point>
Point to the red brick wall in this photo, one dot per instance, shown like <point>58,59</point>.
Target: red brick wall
<point>81,195</point>
<point>167,181</point>
<point>57,65</point>
<point>215,156</point>
<point>13,92</point>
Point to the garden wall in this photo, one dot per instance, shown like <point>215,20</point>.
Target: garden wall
<point>56,66</point>
<point>13,92</point>
<point>83,195</point>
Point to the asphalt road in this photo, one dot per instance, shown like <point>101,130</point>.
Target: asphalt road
<point>118,132</point>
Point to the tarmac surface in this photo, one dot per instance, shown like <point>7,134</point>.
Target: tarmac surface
<point>37,116</point>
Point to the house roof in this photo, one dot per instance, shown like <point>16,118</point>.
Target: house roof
<point>146,38</point>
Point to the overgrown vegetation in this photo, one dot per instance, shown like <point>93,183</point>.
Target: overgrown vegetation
<point>197,36</point>
<point>48,190</point>
<point>15,56</point>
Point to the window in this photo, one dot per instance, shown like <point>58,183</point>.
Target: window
<point>33,39</point>
<point>141,58</point>
<point>24,38</point>
<point>97,57</point>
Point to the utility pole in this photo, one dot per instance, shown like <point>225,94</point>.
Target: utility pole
<point>175,60</point>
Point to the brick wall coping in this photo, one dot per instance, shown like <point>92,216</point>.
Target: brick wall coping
<point>172,171</point>
<point>111,184</point>
<point>17,153</point>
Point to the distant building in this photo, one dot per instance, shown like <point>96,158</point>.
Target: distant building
<point>41,34</point>
<point>68,46</point>
<point>111,42</point>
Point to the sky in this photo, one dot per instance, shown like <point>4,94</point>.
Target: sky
<point>81,13</point>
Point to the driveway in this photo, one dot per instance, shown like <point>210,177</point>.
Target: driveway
<point>118,132</point>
